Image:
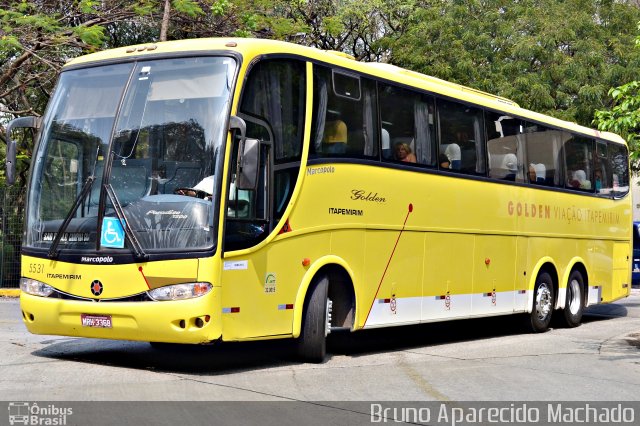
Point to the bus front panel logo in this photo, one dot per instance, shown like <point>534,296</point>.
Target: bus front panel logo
<point>96,287</point>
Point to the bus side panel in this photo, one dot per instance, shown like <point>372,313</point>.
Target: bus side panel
<point>448,276</point>
<point>521,298</point>
<point>621,283</point>
<point>397,270</point>
<point>494,274</point>
<point>259,289</point>
<point>601,269</point>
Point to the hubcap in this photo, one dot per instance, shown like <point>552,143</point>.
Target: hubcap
<point>573,296</point>
<point>543,302</point>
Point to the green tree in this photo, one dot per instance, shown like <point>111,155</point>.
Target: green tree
<point>557,57</point>
<point>349,26</point>
<point>623,116</point>
<point>38,37</point>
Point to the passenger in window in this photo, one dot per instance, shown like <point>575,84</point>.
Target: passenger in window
<point>404,153</point>
<point>443,160</point>
<point>537,173</point>
<point>335,137</point>
<point>579,180</point>
<point>452,151</point>
<point>510,164</point>
<point>386,143</point>
<point>598,180</point>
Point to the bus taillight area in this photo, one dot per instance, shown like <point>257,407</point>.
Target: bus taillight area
<point>195,320</point>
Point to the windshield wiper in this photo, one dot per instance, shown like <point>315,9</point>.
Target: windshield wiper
<point>86,188</point>
<point>135,244</point>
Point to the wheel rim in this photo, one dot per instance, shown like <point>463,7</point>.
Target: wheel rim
<point>543,301</point>
<point>327,326</point>
<point>574,296</point>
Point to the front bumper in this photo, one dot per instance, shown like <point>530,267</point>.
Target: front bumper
<point>183,321</point>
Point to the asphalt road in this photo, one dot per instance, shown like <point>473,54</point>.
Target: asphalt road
<point>487,359</point>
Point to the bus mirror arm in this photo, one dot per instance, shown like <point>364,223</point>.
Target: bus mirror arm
<point>248,156</point>
<point>30,122</point>
<point>238,123</point>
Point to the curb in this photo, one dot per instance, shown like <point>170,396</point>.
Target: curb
<point>9,292</point>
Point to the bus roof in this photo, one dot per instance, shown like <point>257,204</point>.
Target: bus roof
<point>250,48</point>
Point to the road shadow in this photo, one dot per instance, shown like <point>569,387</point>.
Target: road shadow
<point>227,357</point>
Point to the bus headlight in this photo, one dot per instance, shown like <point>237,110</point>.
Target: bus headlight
<point>180,291</point>
<point>35,287</point>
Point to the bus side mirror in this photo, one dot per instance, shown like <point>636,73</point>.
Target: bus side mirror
<point>248,156</point>
<point>248,164</point>
<point>30,122</point>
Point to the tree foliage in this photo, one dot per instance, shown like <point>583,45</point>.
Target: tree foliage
<point>558,57</point>
<point>623,117</point>
<point>38,37</point>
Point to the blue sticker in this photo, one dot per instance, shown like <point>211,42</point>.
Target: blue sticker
<point>112,233</point>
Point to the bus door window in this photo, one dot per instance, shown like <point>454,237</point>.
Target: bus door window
<point>505,147</point>
<point>407,125</point>
<point>578,154</point>
<point>462,138</point>
<point>345,119</point>
<point>543,149</point>
<point>273,107</point>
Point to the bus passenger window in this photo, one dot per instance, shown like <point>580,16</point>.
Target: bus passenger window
<point>544,157</point>
<point>462,137</point>
<point>408,133</point>
<point>602,179</point>
<point>505,147</point>
<point>578,153</point>
<point>344,122</point>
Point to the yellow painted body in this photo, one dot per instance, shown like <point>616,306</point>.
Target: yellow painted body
<point>419,237</point>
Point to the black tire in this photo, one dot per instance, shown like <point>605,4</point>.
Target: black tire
<point>312,343</point>
<point>574,304</point>
<point>543,303</point>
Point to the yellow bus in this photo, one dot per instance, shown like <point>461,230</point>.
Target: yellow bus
<point>239,189</point>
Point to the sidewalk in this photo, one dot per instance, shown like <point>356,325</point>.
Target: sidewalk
<point>9,292</point>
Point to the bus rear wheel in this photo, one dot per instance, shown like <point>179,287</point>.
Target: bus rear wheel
<point>312,343</point>
<point>574,305</point>
<point>543,303</point>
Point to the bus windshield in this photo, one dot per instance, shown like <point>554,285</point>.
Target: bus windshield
<point>132,146</point>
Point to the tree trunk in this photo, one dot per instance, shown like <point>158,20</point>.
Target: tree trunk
<point>165,20</point>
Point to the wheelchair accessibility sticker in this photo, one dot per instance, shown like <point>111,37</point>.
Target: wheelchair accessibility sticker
<point>112,233</point>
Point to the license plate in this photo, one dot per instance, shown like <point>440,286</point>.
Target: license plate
<point>98,321</point>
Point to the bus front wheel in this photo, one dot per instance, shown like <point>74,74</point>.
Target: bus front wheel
<point>574,305</point>
<point>543,303</point>
<point>312,343</point>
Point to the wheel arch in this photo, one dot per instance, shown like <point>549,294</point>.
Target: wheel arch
<point>576,264</point>
<point>342,295</point>
<point>544,264</point>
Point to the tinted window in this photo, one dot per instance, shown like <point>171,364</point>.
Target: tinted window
<point>343,126</point>
<point>462,138</point>
<point>618,156</point>
<point>408,131</point>
<point>275,93</point>
<point>505,147</point>
<point>543,147</point>
<point>578,153</point>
